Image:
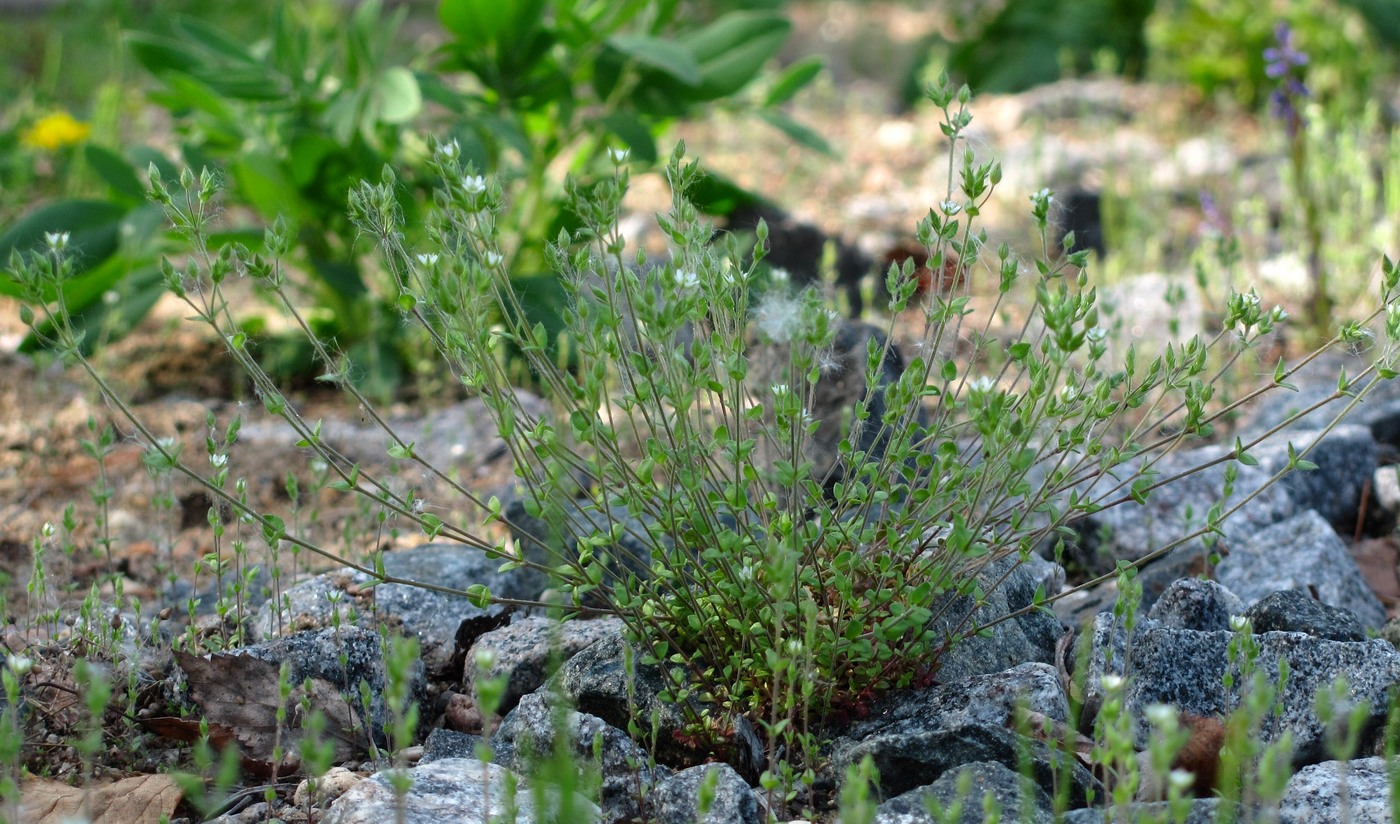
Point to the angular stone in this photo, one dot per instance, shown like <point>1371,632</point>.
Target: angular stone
<point>525,650</point>
<point>1346,461</point>
<point>984,699</point>
<point>968,786</point>
<point>1302,552</point>
<point>1132,531</point>
<point>529,732</point>
<point>1186,669</point>
<point>1029,637</point>
<point>1293,611</point>
<point>1193,603</point>
<point>432,616</point>
<point>453,789</point>
<point>914,753</point>
<point>1203,811</point>
<point>676,799</point>
<point>1315,794</point>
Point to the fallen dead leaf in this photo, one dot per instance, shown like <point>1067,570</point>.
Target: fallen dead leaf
<point>1376,558</point>
<point>136,800</point>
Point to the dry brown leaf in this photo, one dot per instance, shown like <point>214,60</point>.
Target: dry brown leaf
<point>135,800</point>
<point>1376,558</point>
<point>239,693</point>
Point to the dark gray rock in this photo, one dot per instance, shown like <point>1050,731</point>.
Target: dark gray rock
<point>913,753</point>
<point>444,743</point>
<point>1028,638</point>
<point>528,650</point>
<point>797,247</point>
<point>1186,669</point>
<point>1294,611</point>
<point>600,681</point>
<point>982,699</point>
<point>453,789</point>
<point>530,731</point>
<point>318,654</point>
<point>1302,552</point>
<point>1202,811</point>
<point>1193,603</point>
<point>969,787</point>
<point>1315,793</point>
<point>1379,411</point>
<point>676,799</point>
<point>1346,461</point>
<point>433,617</point>
<point>552,539</point>
<point>1132,531</point>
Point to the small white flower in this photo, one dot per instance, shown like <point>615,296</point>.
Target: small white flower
<point>428,260</point>
<point>1160,715</point>
<point>1239,623</point>
<point>56,241</point>
<point>485,659</point>
<point>618,156</point>
<point>949,207</point>
<point>474,184</point>
<point>982,384</point>
<point>780,276</point>
<point>1097,334</point>
<point>18,664</point>
<point>449,150</point>
<point>1045,195</point>
<point>687,279</point>
<point>1181,779</point>
<point>794,647</point>
<point>778,389</point>
<point>1111,682</point>
<point>111,297</point>
<point>218,460</point>
<point>492,258</point>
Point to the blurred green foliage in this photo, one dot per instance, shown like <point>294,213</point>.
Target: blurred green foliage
<point>1218,46</point>
<point>289,118</point>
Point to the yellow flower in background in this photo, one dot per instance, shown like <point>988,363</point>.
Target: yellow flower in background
<point>55,131</point>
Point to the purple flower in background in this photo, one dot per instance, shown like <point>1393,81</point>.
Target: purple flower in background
<point>1283,57</point>
<point>1285,63</point>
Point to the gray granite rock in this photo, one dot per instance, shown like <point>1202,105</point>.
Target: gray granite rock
<point>1315,793</point>
<point>1030,637</point>
<point>1132,531</point>
<point>1302,552</point>
<point>676,799</point>
<point>443,743</point>
<point>599,682</point>
<point>433,617</point>
<point>1346,461</point>
<point>1193,603</point>
<point>1294,611</point>
<point>1202,811</point>
<point>319,654</point>
<point>1186,669</point>
<point>530,732</point>
<point>984,699</point>
<point>1315,382</point>
<point>916,752</point>
<point>454,789</point>
<point>972,788</point>
<point>528,650</point>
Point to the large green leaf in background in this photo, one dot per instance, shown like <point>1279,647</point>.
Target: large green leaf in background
<point>95,230</point>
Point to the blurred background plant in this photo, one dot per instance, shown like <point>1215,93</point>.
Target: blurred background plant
<point>291,118</point>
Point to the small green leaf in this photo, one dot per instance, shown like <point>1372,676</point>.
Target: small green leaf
<point>797,132</point>
<point>663,55</point>
<point>793,79</point>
